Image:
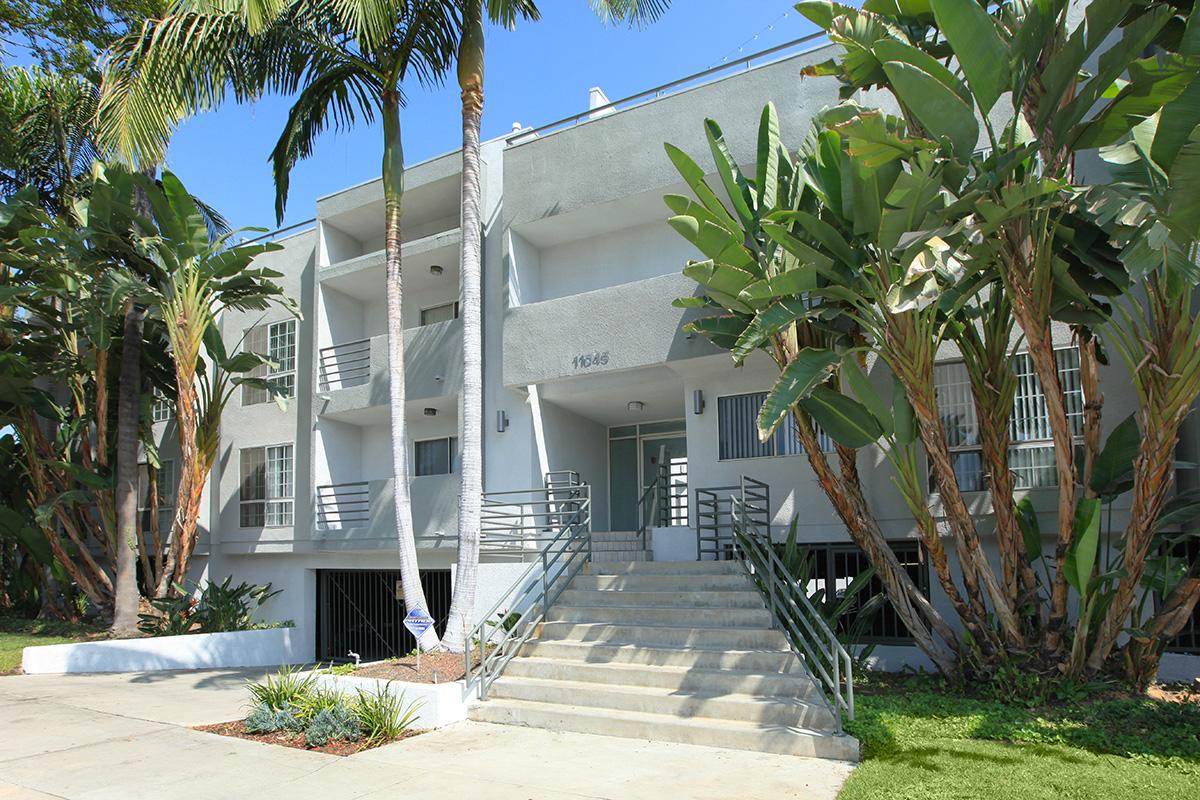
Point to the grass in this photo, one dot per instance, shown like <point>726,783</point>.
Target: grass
<point>923,742</point>
<point>17,633</point>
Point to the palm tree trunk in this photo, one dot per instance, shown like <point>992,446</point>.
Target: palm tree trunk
<point>470,78</point>
<point>393,192</point>
<point>125,590</point>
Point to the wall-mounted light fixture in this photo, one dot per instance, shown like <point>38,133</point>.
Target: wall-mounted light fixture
<point>698,402</point>
<point>635,406</point>
<point>438,379</point>
<point>430,412</point>
<point>501,421</point>
<point>435,269</point>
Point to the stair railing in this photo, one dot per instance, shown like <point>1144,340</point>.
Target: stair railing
<point>807,632</point>
<point>508,624</point>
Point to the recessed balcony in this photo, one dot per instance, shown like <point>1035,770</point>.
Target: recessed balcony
<point>361,515</point>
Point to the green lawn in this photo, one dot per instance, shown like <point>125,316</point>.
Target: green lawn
<point>16,634</point>
<point>923,742</point>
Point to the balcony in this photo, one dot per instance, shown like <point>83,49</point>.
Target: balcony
<point>361,515</point>
<point>352,377</point>
<point>621,327</point>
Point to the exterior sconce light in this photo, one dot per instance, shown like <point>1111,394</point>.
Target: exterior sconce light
<point>430,412</point>
<point>698,402</point>
<point>501,421</point>
<point>435,269</point>
<point>635,406</point>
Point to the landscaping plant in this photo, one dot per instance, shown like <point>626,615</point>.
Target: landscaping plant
<point>383,715</point>
<point>958,218</point>
<point>214,608</point>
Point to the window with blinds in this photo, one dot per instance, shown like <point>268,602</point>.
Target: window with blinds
<point>276,341</point>
<point>443,313</point>
<point>1031,456</point>
<point>737,431</point>
<point>265,493</point>
<point>166,487</point>
<point>433,456</point>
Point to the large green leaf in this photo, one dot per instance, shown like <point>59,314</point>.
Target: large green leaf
<point>715,242</point>
<point>768,158</point>
<point>904,419</point>
<point>693,176</point>
<point>722,330</point>
<point>1183,196</point>
<point>1085,544</point>
<point>1153,83</point>
<point>936,106</point>
<point>865,391</point>
<point>1031,531</point>
<point>1112,471</point>
<point>736,186</point>
<point>843,418</point>
<point>810,368</point>
<point>1181,509</point>
<point>977,45</point>
<point>768,322</point>
<point>893,50</point>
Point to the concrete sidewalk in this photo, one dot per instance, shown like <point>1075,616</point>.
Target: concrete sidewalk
<point>127,736</point>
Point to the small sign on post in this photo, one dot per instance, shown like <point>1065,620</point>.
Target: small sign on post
<point>417,622</point>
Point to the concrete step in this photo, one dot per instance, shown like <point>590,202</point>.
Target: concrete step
<point>676,679</point>
<point>791,711</point>
<point>618,536</point>
<point>627,556</point>
<point>665,568</point>
<point>764,661</point>
<point>641,582</point>
<point>655,615</point>
<point>719,598</point>
<point>665,635</point>
<point>609,545</point>
<point>736,735</point>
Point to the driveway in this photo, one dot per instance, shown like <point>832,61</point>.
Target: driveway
<point>129,737</point>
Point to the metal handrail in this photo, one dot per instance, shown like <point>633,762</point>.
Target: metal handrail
<point>531,597</point>
<point>515,521</point>
<point>345,364</point>
<point>809,635</point>
<point>714,525</point>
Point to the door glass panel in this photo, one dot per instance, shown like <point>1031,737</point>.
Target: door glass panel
<point>623,484</point>
<point>665,459</point>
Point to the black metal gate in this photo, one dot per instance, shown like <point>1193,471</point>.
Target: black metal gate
<point>362,611</point>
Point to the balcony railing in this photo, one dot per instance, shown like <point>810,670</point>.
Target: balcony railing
<point>345,365</point>
<point>343,505</point>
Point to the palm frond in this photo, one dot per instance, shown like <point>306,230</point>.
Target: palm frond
<point>632,12</point>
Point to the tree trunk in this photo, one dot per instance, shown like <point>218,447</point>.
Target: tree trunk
<point>126,595</point>
<point>470,77</point>
<point>393,192</point>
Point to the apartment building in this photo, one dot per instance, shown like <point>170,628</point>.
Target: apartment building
<point>588,374</point>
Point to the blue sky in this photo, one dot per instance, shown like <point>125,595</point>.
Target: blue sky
<point>536,74</point>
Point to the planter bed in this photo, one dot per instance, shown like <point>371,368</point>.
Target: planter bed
<point>441,704</point>
<point>259,648</point>
<point>294,739</point>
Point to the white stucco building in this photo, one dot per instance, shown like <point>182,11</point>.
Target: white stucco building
<point>586,370</point>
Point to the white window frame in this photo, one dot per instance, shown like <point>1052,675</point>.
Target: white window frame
<point>452,449</point>
<point>436,306</point>
<point>161,409</point>
<point>278,500</point>
<point>822,437</point>
<point>279,374</point>
<point>1027,418</point>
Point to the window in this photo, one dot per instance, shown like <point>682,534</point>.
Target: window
<point>1031,457</point>
<point>265,493</point>
<point>835,565</point>
<point>276,341</point>
<point>737,430</point>
<point>165,485</point>
<point>443,313</point>
<point>434,457</point>
<point>160,409</point>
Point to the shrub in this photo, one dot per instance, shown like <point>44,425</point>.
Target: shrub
<point>384,715</point>
<point>217,608</point>
<point>332,723</point>
<point>264,719</point>
<point>288,689</point>
<point>317,699</point>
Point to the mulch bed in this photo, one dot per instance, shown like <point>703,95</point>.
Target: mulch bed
<point>445,667</point>
<point>339,747</point>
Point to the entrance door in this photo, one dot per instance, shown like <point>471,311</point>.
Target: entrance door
<point>664,467</point>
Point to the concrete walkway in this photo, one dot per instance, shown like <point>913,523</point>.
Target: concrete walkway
<point>127,736</point>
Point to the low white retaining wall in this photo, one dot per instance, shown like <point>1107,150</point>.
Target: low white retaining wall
<point>263,648</point>
<point>440,704</point>
<point>1179,668</point>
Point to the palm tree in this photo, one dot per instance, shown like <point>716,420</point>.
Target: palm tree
<point>344,60</point>
<point>470,80</point>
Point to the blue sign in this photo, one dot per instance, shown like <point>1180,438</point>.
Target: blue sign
<point>417,622</point>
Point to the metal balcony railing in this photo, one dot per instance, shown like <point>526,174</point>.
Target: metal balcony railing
<point>344,365</point>
<point>343,505</point>
<point>714,520</point>
<point>524,520</point>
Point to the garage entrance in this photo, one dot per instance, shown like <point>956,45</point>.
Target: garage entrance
<point>362,611</point>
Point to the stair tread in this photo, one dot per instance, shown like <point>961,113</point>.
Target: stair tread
<point>651,718</point>
<point>706,628</point>
<point>686,648</point>
<point>657,691</point>
<point>697,671</point>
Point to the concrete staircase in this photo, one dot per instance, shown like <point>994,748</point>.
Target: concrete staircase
<point>667,651</point>
<point>610,546</point>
